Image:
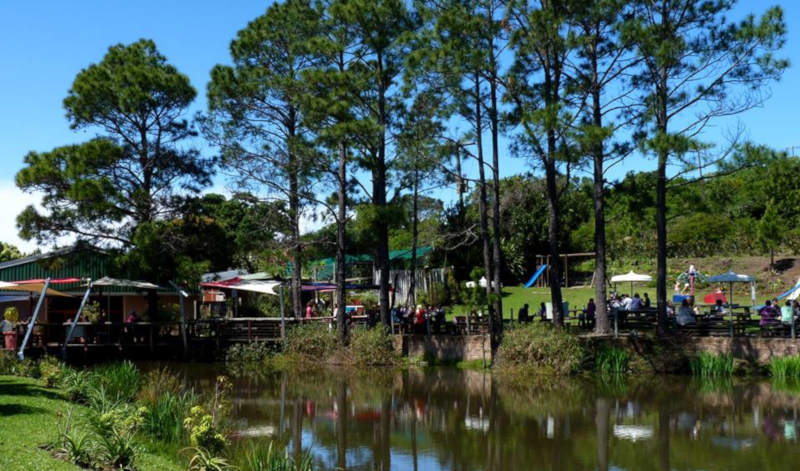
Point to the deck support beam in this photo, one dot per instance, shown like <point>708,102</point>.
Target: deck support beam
<point>32,320</point>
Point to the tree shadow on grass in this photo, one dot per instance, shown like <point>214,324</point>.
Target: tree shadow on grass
<point>27,390</point>
<point>7,410</point>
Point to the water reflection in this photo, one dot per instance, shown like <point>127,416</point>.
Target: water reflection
<point>446,419</point>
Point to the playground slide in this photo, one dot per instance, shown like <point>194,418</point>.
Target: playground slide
<point>791,290</point>
<point>536,276</point>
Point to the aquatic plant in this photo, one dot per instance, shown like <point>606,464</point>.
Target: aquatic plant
<point>371,347</point>
<point>542,349</point>
<point>165,416</point>
<point>710,365</point>
<point>267,457</point>
<point>782,368</point>
<point>612,360</point>
<point>115,431</point>
<point>120,380</point>
<point>76,384</point>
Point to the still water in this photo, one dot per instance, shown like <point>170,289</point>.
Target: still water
<point>447,419</point>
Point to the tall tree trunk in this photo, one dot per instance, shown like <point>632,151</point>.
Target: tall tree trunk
<point>496,249</point>
<point>482,203</point>
<point>412,288</point>
<point>379,199</point>
<point>296,249</point>
<point>553,235</point>
<point>602,324</point>
<point>661,207</point>
<point>341,245</point>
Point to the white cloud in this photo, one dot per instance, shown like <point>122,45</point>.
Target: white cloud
<point>12,202</point>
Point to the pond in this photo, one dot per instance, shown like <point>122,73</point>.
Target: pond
<point>449,419</point>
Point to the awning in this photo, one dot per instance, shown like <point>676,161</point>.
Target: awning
<point>263,287</point>
<point>106,281</point>
<point>31,287</point>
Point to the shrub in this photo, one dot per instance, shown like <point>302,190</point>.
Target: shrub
<point>256,352</point>
<point>11,315</point>
<point>612,360</point>
<point>92,312</point>
<point>10,365</point>
<point>73,444</point>
<point>313,340</point>
<point>51,371</point>
<point>783,368</point>
<point>76,384</point>
<point>158,382</point>
<point>203,431</point>
<point>372,347</point>
<point>708,365</point>
<point>542,349</point>
<point>115,431</point>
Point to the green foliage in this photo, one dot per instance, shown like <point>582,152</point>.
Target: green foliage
<point>115,431</point>
<point>92,312</point>
<point>612,360</point>
<point>709,365</point>
<point>11,314</point>
<point>314,342</point>
<point>258,456</point>
<point>785,368</point>
<point>51,371</point>
<point>121,381</point>
<point>372,347</point>
<point>165,417</point>
<point>9,252</point>
<point>254,352</point>
<point>203,431</point>
<point>541,349</point>
<point>201,459</point>
<point>73,443</point>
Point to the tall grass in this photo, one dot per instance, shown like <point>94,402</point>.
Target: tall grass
<point>612,360</point>
<point>260,456</point>
<point>783,368</point>
<point>540,349</point>
<point>120,380</point>
<point>708,365</point>
<point>164,418</point>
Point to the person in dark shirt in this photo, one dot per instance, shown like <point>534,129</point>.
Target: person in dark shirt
<point>647,302</point>
<point>523,314</point>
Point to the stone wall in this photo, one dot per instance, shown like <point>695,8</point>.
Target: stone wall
<point>445,348</point>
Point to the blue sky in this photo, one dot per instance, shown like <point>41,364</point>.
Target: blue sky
<point>45,43</point>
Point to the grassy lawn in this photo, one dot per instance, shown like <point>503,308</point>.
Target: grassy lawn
<point>514,297</point>
<point>28,419</point>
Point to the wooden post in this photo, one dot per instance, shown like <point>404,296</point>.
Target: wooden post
<point>75,321</point>
<point>283,318</point>
<point>566,271</point>
<point>181,295</point>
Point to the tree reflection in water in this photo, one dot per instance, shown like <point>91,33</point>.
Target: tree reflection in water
<point>447,419</point>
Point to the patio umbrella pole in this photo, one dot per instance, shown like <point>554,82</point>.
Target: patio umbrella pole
<point>75,321</point>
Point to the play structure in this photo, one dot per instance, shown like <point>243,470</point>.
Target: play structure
<point>792,293</point>
<point>536,276</point>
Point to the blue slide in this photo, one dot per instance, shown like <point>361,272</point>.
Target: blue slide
<point>535,276</point>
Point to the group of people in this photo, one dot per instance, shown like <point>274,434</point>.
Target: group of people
<point>417,319</point>
<point>774,314</point>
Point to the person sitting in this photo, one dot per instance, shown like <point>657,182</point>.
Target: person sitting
<point>591,310</point>
<point>769,316</point>
<point>626,302</point>
<point>719,309</point>
<point>309,310</point>
<point>787,313</point>
<point>636,303</point>
<point>647,302</point>
<point>542,311</point>
<point>685,314</point>
<point>796,307</point>
<point>523,314</point>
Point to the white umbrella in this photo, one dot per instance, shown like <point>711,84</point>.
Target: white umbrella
<point>731,277</point>
<point>631,278</point>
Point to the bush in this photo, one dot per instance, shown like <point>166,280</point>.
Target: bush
<point>11,315</point>
<point>256,352</point>
<point>372,347</point>
<point>51,371</point>
<point>204,431</point>
<point>164,418</point>
<point>10,365</point>
<point>76,384</point>
<point>115,431</point>
<point>314,340</point>
<point>541,349</point>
